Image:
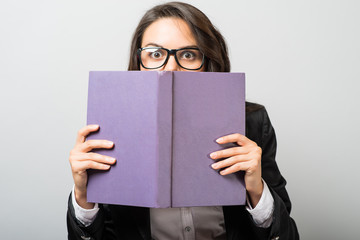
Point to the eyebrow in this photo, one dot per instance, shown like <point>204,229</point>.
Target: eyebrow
<point>157,45</point>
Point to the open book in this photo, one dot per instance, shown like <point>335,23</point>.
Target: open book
<point>164,126</point>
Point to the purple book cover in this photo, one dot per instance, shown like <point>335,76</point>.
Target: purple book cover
<point>164,126</point>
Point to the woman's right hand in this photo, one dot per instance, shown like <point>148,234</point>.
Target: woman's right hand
<point>82,159</point>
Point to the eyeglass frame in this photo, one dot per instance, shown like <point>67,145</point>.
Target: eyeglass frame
<point>169,53</point>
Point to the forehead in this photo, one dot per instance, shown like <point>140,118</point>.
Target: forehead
<point>169,33</point>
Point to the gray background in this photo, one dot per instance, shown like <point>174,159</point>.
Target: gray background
<point>301,59</point>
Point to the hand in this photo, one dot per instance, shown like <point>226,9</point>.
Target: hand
<point>81,159</point>
<point>246,157</point>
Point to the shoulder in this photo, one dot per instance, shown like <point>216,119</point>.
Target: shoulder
<point>253,107</point>
<point>257,122</point>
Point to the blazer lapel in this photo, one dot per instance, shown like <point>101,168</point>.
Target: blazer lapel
<point>142,219</point>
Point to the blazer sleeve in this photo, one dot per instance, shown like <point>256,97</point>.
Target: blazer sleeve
<point>260,130</point>
<point>101,228</point>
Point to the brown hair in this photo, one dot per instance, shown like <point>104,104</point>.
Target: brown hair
<point>208,38</point>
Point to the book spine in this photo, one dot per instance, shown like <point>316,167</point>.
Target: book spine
<point>164,138</point>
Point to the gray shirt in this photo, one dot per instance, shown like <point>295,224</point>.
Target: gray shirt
<point>181,223</point>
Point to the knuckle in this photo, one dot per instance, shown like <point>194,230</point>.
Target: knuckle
<point>238,150</point>
<point>238,166</point>
<point>244,138</point>
<point>238,159</point>
<point>88,144</point>
<point>222,164</point>
<point>74,167</point>
<point>238,135</point>
<point>89,165</point>
<point>230,152</point>
<point>234,168</point>
<point>73,158</point>
<point>219,164</point>
<point>92,155</point>
<point>258,150</point>
<point>71,153</point>
<point>81,132</point>
<point>225,163</point>
<point>233,160</point>
<point>257,162</point>
<point>230,161</point>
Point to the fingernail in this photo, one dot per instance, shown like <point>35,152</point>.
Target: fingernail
<point>213,155</point>
<point>214,165</point>
<point>109,144</point>
<point>223,172</point>
<point>219,140</point>
<point>111,159</point>
<point>94,126</point>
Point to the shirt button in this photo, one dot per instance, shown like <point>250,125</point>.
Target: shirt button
<point>188,229</point>
<point>85,238</point>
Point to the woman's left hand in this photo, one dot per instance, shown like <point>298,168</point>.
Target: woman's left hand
<point>246,157</point>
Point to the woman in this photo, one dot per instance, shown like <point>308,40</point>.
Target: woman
<point>178,37</point>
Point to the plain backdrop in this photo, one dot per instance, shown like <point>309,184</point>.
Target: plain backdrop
<point>301,59</point>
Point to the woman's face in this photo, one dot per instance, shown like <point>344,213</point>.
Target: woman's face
<point>170,33</point>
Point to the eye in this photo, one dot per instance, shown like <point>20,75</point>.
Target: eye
<point>188,55</point>
<point>156,54</point>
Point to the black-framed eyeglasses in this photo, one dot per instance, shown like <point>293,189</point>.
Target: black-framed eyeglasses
<point>189,58</point>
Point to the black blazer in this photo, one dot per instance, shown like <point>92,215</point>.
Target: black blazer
<point>133,223</point>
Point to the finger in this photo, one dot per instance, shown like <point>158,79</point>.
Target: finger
<point>228,152</point>
<point>81,166</point>
<point>83,132</point>
<point>236,137</point>
<point>229,161</point>
<point>240,166</point>
<point>93,157</point>
<point>93,144</point>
